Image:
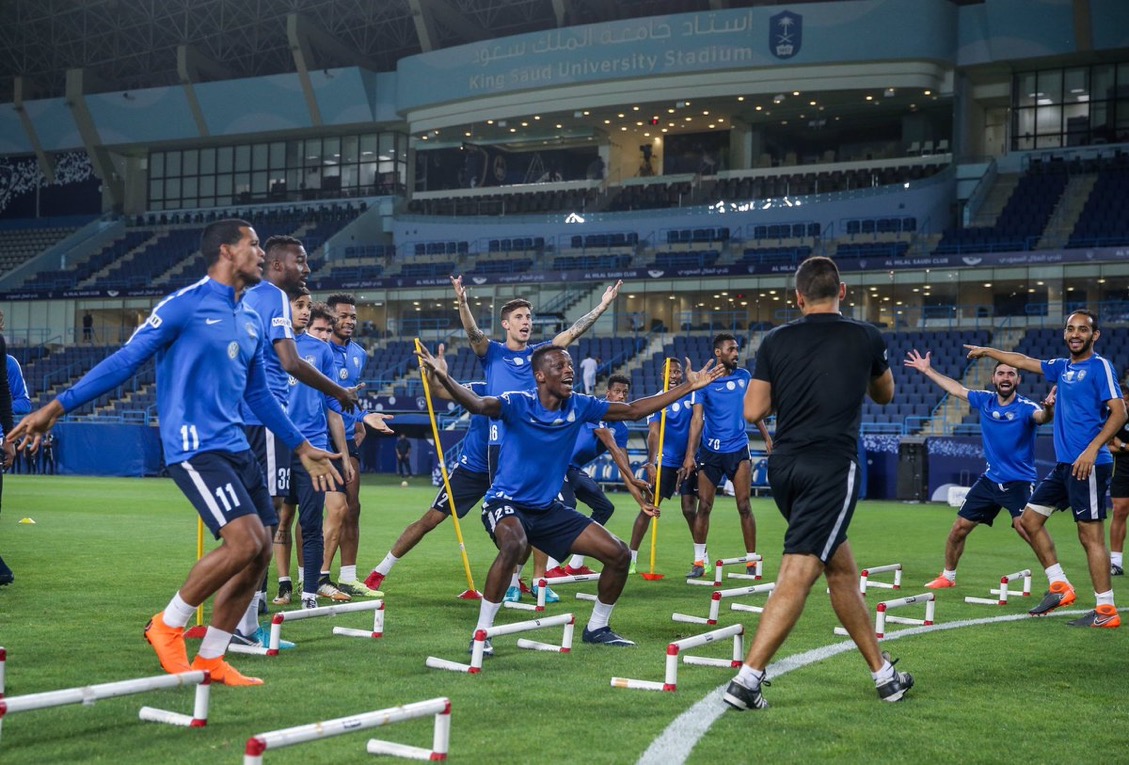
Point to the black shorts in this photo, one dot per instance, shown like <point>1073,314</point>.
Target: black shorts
<point>468,487</point>
<point>223,486</point>
<point>1119,483</point>
<point>273,456</point>
<point>1060,490</point>
<point>688,487</point>
<point>551,530</point>
<point>817,496</point>
<point>717,467</point>
<point>985,500</point>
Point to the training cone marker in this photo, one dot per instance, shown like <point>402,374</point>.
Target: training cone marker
<point>27,521</point>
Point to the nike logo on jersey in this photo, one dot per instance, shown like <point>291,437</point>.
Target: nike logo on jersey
<point>209,322</point>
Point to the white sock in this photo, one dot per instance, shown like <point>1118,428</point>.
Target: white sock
<point>552,563</point>
<point>601,615</point>
<point>282,579</point>
<point>214,644</point>
<point>576,562</point>
<point>1115,558</point>
<point>301,577</point>
<point>749,677</point>
<point>386,565</point>
<point>1056,574</point>
<point>249,624</point>
<point>950,575</point>
<point>486,613</point>
<point>883,674</point>
<point>699,552</point>
<point>323,575</point>
<point>1104,598</point>
<point>634,556</point>
<point>177,612</point>
<point>515,580</point>
<point>348,574</point>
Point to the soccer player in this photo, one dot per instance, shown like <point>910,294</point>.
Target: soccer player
<point>718,447</point>
<point>1008,426</point>
<point>209,349</point>
<point>522,507</point>
<point>6,422</point>
<point>1089,412</point>
<point>469,482</point>
<point>594,440</point>
<point>17,386</point>
<point>674,476</point>
<point>1119,493</point>
<point>315,414</point>
<point>814,373</point>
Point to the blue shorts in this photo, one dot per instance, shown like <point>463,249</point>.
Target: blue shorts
<point>985,500</point>
<point>1060,490</point>
<point>468,486</point>
<point>552,529</point>
<point>817,496</point>
<point>717,467</point>
<point>223,486</point>
<point>688,487</point>
<point>273,456</point>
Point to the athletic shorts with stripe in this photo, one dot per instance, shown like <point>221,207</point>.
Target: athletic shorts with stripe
<point>817,496</point>
<point>716,467</point>
<point>468,486</point>
<point>223,486</point>
<point>273,456</point>
<point>1060,490</point>
<point>552,529</point>
<point>986,498</point>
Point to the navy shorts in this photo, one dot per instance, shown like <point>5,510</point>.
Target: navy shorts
<point>717,467</point>
<point>688,487</point>
<point>1119,483</point>
<point>986,498</point>
<point>817,496</point>
<point>1060,490</point>
<point>273,456</point>
<point>468,487</point>
<point>552,529</point>
<point>223,486</point>
<point>578,486</point>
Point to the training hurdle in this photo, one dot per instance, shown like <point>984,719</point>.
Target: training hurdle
<point>478,645</point>
<point>557,580</point>
<point>720,565</point>
<point>300,734</point>
<point>675,649</point>
<point>719,595</point>
<point>1003,591</point>
<point>282,617</point>
<point>92,693</point>
<point>865,577</point>
<point>881,617</point>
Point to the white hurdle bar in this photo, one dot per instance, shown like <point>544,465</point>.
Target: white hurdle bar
<point>1003,591</point>
<point>881,617</point>
<point>864,577</point>
<point>558,580</point>
<point>478,645</point>
<point>92,693</point>
<point>721,563</point>
<point>376,606</point>
<point>675,649</point>
<point>300,734</point>
<point>719,595</point>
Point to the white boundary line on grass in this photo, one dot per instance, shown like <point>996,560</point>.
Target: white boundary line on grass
<point>674,745</point>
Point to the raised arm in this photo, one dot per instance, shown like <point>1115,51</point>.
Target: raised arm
<point>1047,413</point>
<point>585,322</point>
<point>924,364</point>
<point>1012,359</point>
<point>478,340</point>
<point>641,407</point>
<point>460,394</point>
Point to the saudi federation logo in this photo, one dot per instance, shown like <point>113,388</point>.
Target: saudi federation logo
<point>785,34</point>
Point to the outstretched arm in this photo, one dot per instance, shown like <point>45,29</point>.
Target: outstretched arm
<point>585,322</point>
<point>1012,359</point>
<point>924,364</point>
<point>640,408</point>
<point>436,367</point>
<point>1047,413</point>
<point>478,340</point>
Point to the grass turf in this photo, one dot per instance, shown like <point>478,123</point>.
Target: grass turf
<point>105,554</point>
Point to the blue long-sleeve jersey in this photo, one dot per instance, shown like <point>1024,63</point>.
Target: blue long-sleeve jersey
<point>209,350</point>
<point>273,308</point>
<point>307,405</point>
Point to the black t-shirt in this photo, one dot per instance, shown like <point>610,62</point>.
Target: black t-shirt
<point>1122,457</point>
<point>819,368</point>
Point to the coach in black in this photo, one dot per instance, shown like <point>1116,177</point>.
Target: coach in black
<point>813,373</point>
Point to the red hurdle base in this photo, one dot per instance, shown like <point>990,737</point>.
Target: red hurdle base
<point>470,595</point>
<point>195,633</point>
<point>653,577</point>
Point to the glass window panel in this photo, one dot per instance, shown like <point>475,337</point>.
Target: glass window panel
<point>402,147</point>
<point>1121,129</point>
<point>277,155</point>
<point>259,183</point>
<point>350,177</point>
<point>207,161</point>
<point>1101,121</point>
<point>242,158</point>
<point>157,165</point>
<point>331,150</point>
<point>259,155</point>
<point>191,187</point>
<point>1123,78</point>
<point>224,188</point>
<point>387,145</point>
<point>1101,82</point>
<point>313,153</point>
<point>156,190</point>
<point>368,176</point>
<point>1025,89</point>
<point>156,205</point>
<point>1048,119</point>
<point>1076,85</point>
<point>208,186</point>
<point>294,178</point>
<point>349,149</point>
<point>368,147</point>
<point>172,164</point>
<point>172,189</point>
<point>1050,87</point>
<point>1024,128</point>
<point>191,162</point>
<point>1076,119</point>
<point>242,187</point>
<point>225,161</point>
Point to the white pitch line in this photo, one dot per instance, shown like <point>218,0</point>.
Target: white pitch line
<point>673,745</point>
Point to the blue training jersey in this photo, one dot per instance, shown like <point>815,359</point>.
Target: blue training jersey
<point>209,350</point>
<point>588,447</point>
<point>21,402</point>
<point>1080,410</point>
<point>723,402</point>
<point>538,444</point>
<point>349,364</point>
<point>507,370</point>
<point>1008,433</point>
<point>677,433</point>
<point>473,456</point>
<point>273,307</point>
<point>306,405</point>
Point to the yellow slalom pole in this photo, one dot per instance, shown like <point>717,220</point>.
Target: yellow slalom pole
<point>472,593</point>
<point>652,576</point>
<point>199,630</point>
